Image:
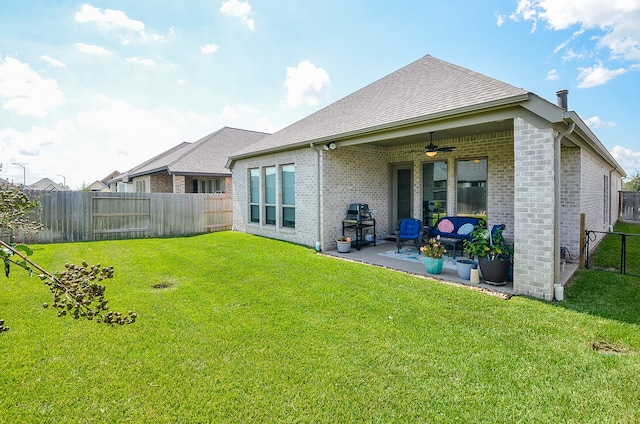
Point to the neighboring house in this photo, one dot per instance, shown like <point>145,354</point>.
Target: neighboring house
<point>197,167</point>
<point>518,159</point>
<point>103,184</point>
<point>45,184</point>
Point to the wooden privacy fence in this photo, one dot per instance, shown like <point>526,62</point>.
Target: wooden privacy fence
<point>84,216</point>
<point>629,205</point>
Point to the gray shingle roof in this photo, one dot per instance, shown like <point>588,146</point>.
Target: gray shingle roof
<point>424,88</point>
<point>206,156</point>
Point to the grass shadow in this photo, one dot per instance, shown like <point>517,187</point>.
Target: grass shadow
<point>604,294</point>
<point>602,290</point>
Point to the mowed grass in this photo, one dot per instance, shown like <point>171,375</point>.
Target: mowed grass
<point>247,329</point>
<point>609,252</point>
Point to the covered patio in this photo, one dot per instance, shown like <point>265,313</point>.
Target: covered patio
<point>376,255</point>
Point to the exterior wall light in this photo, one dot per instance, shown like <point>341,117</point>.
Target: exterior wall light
<point>330,146</point>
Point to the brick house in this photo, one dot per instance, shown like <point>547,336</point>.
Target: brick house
<point>519,160</point>
<point>197,167</point>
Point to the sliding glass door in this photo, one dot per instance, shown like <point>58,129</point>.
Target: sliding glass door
<point>434,192</point>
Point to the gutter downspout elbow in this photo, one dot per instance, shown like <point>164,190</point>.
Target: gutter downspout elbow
<point>557,214</point>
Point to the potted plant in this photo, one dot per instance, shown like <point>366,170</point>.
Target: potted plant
<point>464,267</point>
<point>433,256</point>
<point>494,255</point>
<point>344,244</point>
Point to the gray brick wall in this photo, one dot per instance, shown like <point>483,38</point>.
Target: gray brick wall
<point>354,174</point>
<point>161,183</point>
<point>306,210</point>
<point>496,147</point>
<point>534,210</point>
<point>179,184</point>
<point>520,193</point>
<point>570,200</point>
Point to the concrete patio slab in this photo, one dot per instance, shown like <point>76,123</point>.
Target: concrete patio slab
<point>370,254</point>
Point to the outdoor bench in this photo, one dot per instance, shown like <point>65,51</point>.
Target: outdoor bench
<point>453,230</point>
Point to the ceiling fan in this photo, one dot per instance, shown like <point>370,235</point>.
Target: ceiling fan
<point>431,150</point>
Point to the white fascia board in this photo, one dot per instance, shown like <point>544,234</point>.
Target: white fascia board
<point>363,134</point>
<point>544,109</point>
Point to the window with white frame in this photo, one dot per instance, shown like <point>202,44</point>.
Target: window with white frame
<point>289,196</point>
<point>472,187</point>
<point>141,186</point>
<point>208,185</point>
<point>254,195</point>
<point>270,195</point>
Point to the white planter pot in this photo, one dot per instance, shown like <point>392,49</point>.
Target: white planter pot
<point>344,246</point>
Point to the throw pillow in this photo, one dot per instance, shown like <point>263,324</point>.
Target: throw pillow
<point>465,229</point>
<point>445,226</point>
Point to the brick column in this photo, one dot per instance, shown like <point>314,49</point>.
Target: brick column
<point>179,184</point>
<point>534,204</point>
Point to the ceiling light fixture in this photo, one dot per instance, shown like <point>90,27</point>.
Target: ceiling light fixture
<point>431,150</point>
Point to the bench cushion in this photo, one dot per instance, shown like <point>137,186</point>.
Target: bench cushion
<point>454,227</point>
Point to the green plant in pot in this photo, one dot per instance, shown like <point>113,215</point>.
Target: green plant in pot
<point>433,256</point>
<point>493,253</point>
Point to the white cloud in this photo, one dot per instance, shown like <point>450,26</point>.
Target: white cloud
<point>571,55</point>
<point>230,113</point>
<point>597,75</point>
<point>552,75</point>
<point>209,48</point>
<point>240,9</point>
<point>499,19</point>
<point>263,124</point>
<point>306,83</point>
<point>31,142</point>
<point>575,35</point>
<point>141,61</point>
<point>53,61</point>
<point>108,19</point>
<point>91,49</point>
<point>616,20</point>
<point>596,122</point>
<point>120,118</point>
<point>23,91</point>
<point>29,149</point>
<point>627,158</point>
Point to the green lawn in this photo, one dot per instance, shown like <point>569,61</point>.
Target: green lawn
<point>255,330</point>
<point>608,255</point>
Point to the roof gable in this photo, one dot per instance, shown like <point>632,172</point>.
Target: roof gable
<point>426,87</point>
<point>206,156</point>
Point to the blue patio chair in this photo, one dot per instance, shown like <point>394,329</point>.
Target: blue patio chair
<point>409,229</point>
<point>498,228</point>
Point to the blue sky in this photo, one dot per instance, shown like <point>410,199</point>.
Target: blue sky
<point>91,87</point>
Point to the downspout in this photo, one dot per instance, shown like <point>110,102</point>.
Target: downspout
<point>557,188</point>
<point>609,205</point>
<point>318,240</point>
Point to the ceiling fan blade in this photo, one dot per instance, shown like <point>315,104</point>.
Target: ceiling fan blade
<point>431,148</point>
<point>445,149</point>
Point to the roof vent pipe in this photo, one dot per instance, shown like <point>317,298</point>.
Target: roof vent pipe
<point>562,99</point>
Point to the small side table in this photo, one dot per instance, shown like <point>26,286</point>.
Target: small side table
<point>453,243</point>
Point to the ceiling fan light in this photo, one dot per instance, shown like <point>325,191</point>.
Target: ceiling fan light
<point>431,153</point>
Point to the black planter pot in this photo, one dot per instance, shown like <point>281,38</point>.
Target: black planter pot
<point>494,271</point>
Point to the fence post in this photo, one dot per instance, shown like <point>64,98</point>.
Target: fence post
<point>582,239</point>
<point>623,255</point>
